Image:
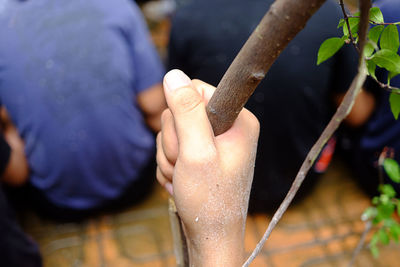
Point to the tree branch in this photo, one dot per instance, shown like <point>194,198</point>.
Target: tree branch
<point>368,226</point>
<point>346,19</point>
<point>341,113</point>
<point>387,87</point>
<point>278,27</point>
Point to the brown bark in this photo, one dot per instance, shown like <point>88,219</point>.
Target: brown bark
<point>278,27</point>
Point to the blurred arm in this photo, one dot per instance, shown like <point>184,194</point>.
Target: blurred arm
<point>152,104</point>
<point>16,171</point>
<point>363,107</point>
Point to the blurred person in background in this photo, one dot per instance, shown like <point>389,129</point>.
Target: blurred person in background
<point>16,248</point>
<point>372,132</point>
<point>80,81</point>
<point>293,103</point>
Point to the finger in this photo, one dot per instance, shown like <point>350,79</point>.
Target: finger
<point>164,182</point>
<point>188,108</point>
<point>161,178</point>
<point>166,168</point>
<point>169,140</point>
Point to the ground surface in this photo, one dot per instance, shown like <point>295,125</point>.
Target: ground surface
<point>323,230</point>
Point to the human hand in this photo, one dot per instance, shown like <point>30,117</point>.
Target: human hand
<point>209,177</point>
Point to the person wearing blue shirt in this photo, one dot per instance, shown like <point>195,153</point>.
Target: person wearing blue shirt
<point>81,81</point>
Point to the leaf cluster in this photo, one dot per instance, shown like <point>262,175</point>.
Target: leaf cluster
<point>381,49</point>
<point>384,209</point>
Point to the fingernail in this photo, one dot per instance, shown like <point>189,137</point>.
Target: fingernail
<point>169,188</point>
<point>175,79</point>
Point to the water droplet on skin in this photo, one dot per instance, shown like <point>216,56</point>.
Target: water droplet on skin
<point>197,219</point>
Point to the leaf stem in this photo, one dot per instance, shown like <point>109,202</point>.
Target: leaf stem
<point>346,19</point>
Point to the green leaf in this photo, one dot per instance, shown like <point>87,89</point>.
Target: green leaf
<point>353,22</point>
<point>389,222</point>
<point>390,38</point>
<point>375,32</point>
<point>398,208</point>
<point>391,75</point>
<point>392,169</point>
<point>371,66</point>
<point>368,214</point>
<point>368,49</point>
<point>375,200</point>
<point>373,247</point>
<point>328,48</point>
<point>388,190</point>
<point>394,101</point>
<point>341,23</point>
<point>374,251</point>
<point>383,236</point>
<point>385,211</point>
<point>375,15</point>
<point>395,231</point>
<point>387,59</point>
<point>374,239</point>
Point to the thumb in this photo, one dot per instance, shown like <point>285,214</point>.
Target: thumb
<point>187,106</point>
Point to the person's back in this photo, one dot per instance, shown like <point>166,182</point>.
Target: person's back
<point>292,103</point>
<point>70,75</point>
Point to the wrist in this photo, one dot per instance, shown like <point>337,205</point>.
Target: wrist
<point>216,249</point>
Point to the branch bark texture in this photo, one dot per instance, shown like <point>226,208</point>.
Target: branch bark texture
<point>278,27</point>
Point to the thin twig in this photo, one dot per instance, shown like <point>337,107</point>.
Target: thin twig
<point>341,113</point>
<point>368,226</point>
<point>376,23</point>
<point>346,19</point>
<point>178,236</point>
<point>387,87</point>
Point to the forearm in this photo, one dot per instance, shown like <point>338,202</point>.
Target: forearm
<point>217,245</point>
<point>228,252</point>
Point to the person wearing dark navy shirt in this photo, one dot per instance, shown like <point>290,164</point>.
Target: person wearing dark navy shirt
<point>292,103</point>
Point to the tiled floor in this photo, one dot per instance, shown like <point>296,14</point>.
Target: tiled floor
<point>323,230</point>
